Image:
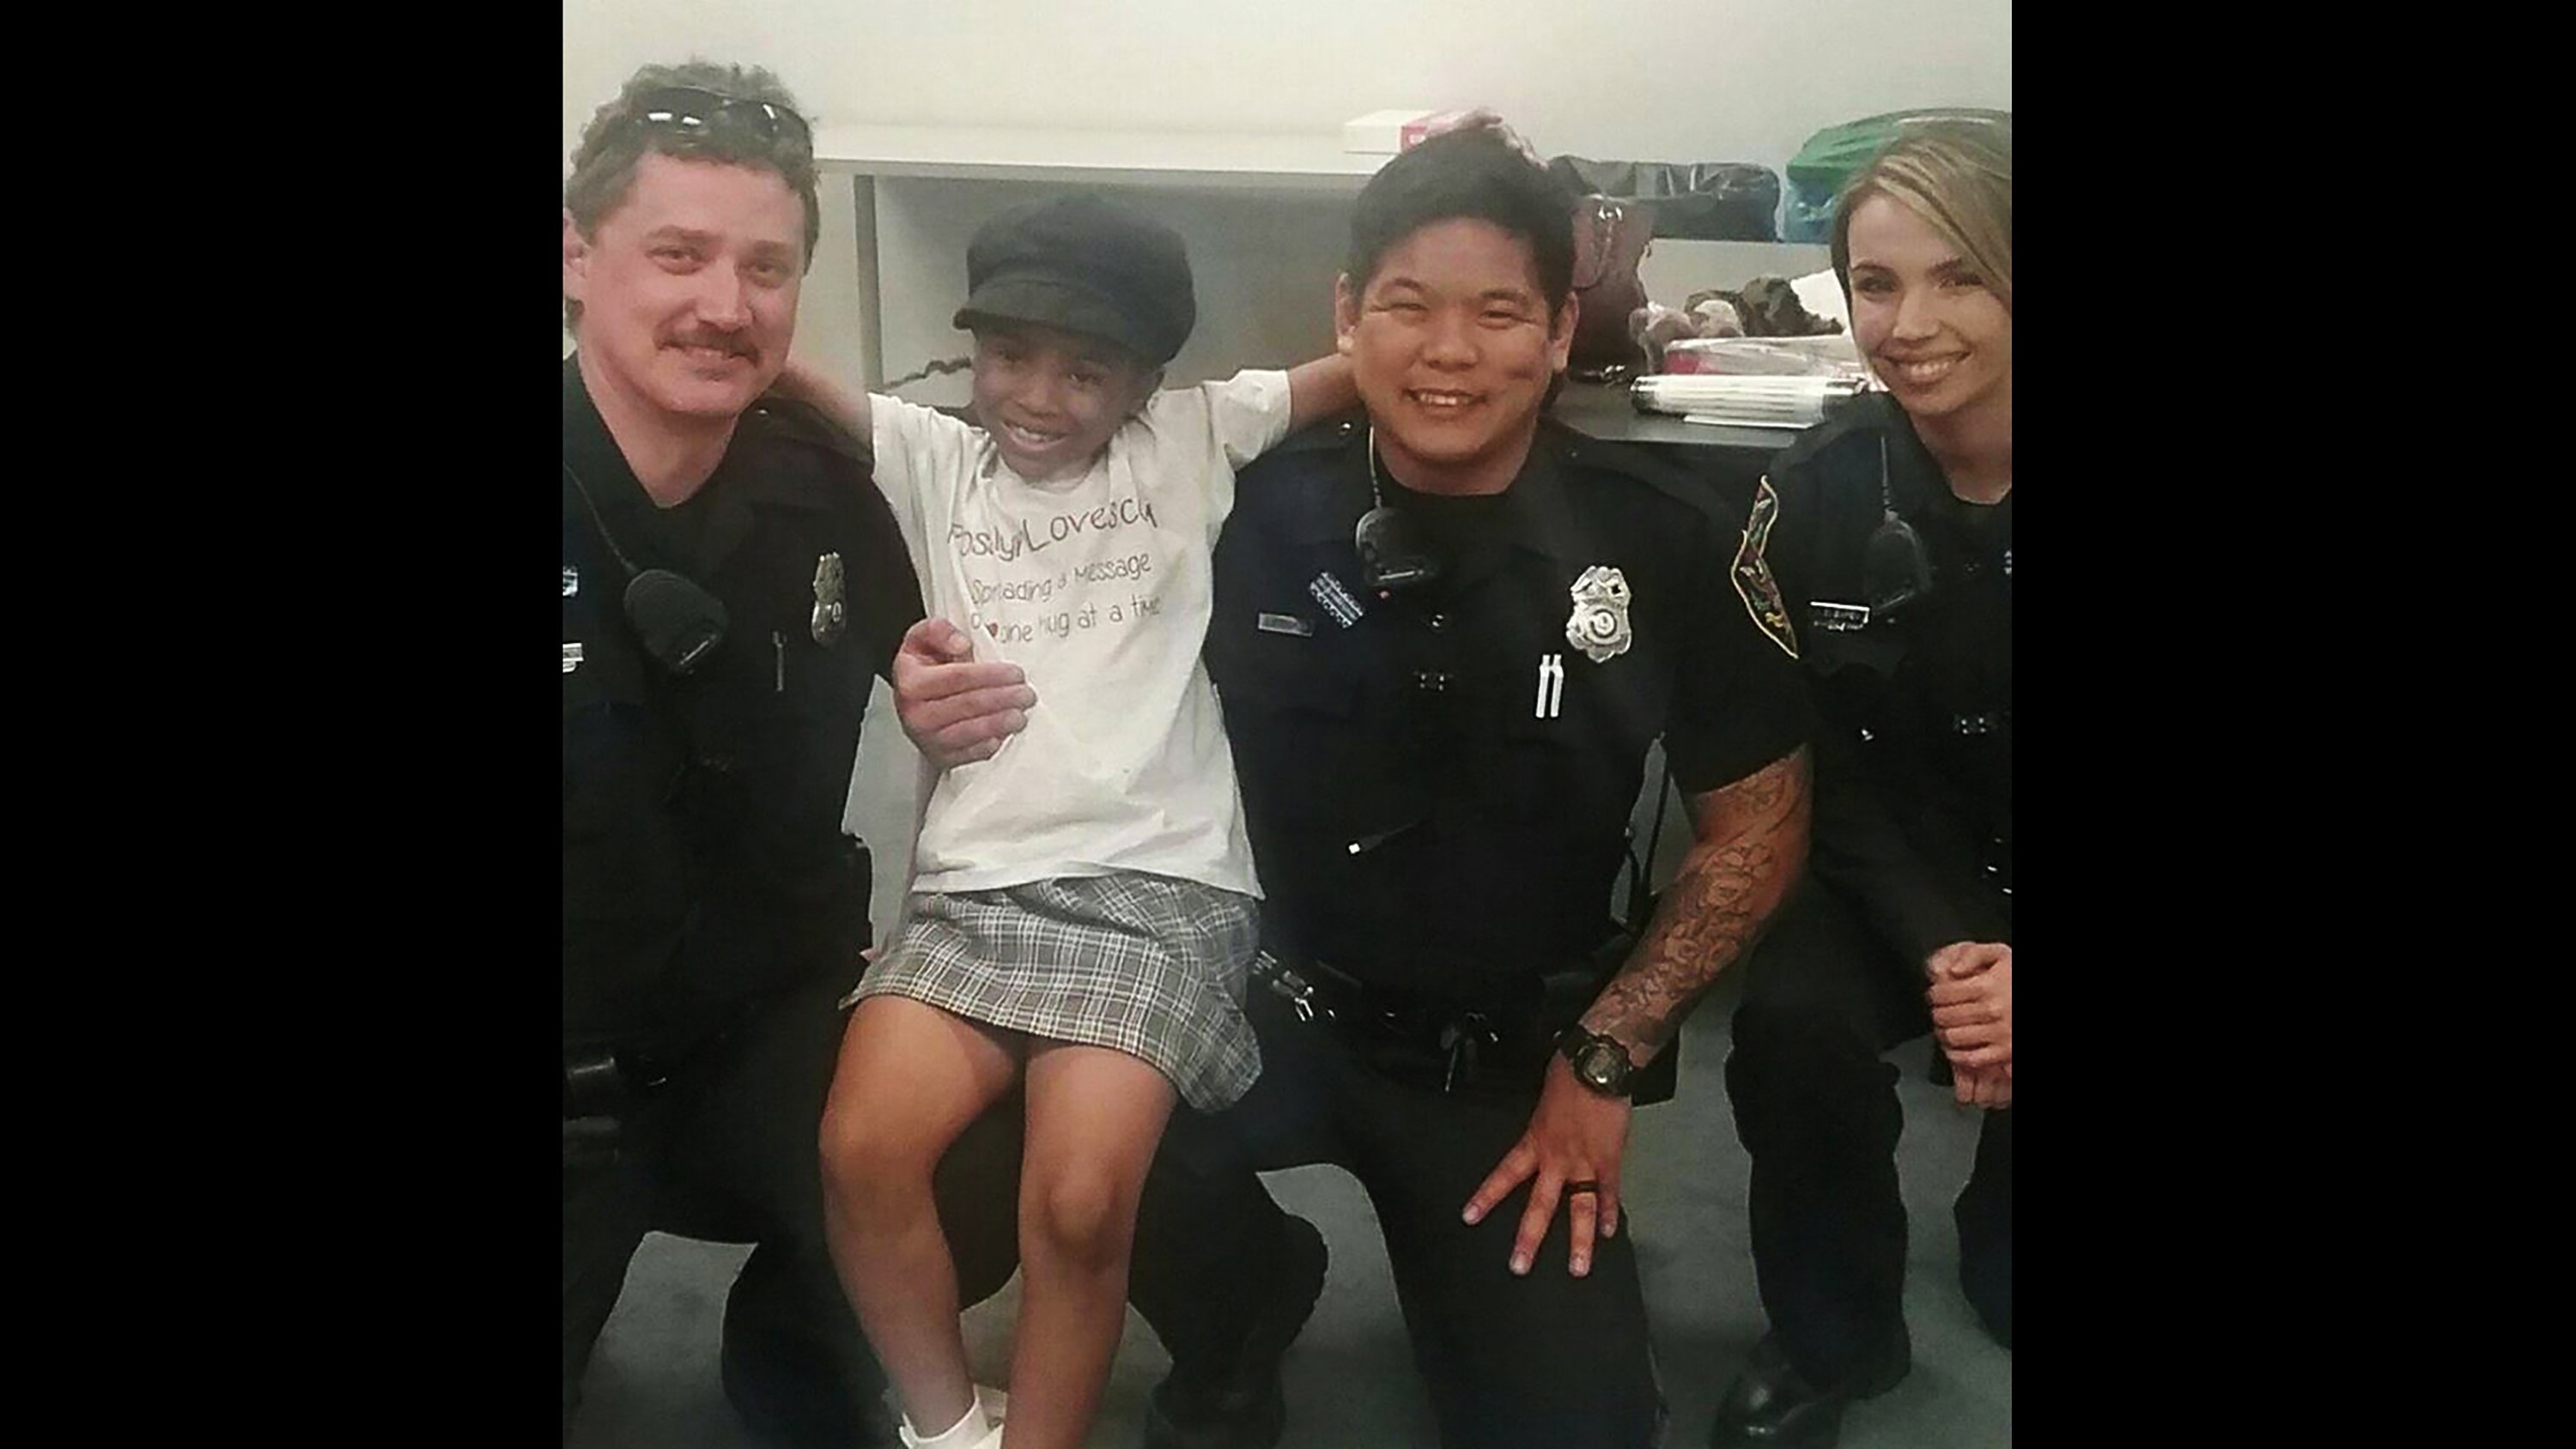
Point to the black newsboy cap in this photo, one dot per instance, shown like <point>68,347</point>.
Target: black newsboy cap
<point>1086,265</point>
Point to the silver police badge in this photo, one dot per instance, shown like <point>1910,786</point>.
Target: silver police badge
<point>1599,624</point>
<point>831,614</point>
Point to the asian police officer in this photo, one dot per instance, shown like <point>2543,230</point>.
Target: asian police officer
<point>1445,635</point>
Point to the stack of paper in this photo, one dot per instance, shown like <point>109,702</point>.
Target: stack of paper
<point>1744,401</point>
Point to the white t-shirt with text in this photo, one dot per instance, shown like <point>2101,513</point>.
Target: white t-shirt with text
<point>1098,587</point>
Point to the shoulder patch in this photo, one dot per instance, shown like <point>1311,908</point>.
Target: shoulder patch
<point>1753,581</point>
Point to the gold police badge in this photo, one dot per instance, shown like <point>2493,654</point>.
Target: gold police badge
<point>1599,623</point>
<point>1753,581</point>
<point>831,613</point>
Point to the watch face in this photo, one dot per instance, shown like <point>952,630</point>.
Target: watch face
<point>1600,1066</point>
<point>1598,1062</point>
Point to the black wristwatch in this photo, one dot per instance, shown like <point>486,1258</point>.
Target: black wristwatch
<point>1600,1063</point>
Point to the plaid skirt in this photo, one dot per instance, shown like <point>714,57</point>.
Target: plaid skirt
<point>1145,964</point>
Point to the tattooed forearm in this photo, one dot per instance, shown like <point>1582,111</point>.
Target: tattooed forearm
<point>1752,844</point>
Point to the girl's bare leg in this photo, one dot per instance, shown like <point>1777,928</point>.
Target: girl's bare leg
<point>911,1077</point>
<point>1095,1116</point>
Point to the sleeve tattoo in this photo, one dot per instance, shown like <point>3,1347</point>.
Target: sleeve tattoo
<point>1751,847</point>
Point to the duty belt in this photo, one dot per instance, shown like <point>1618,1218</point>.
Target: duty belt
<point>606,1082</point>
<point>1443,1044</point>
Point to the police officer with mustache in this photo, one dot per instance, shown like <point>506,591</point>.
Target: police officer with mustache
<point>731,581</point>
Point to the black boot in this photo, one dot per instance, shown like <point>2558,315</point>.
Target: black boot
<point>1984,1216</point>
<point>1772,1405</point>
<point>1239,1404</point>
<point>797,1372</point>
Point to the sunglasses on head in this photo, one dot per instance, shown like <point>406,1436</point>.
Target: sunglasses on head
<point>690,111</point>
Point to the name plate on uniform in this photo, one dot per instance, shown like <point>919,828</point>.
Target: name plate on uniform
<point>1284,624</point>
<point>1837,618</point>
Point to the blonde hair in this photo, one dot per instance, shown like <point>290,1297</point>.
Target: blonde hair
<point>1956,176</point>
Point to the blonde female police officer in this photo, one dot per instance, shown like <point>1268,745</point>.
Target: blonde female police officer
<point>1895,546</point>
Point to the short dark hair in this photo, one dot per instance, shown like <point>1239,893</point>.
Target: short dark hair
<point>612,146</point>
<point>1476,174</point>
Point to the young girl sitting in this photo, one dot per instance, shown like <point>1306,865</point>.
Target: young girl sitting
<point>1083,910</point>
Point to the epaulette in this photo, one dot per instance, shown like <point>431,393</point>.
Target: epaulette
<point>1331,432</point>
<point>1296,478</point>
<point>1584,451</point>
<point>1866,414</point>
<point>805,423</point>
<point>1580,453</point>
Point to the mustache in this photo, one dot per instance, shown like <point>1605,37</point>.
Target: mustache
<point>732,342</point>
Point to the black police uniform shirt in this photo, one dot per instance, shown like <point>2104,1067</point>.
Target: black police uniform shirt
<point>1438,781</point>
<point>1914,747</point>
<point>704,861</point>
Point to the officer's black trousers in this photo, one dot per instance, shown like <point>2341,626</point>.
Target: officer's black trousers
<point>1816,1108</point>
<point>728,1151</point>
<point>1548,1359</point>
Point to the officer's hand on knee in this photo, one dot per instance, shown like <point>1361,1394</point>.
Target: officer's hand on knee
<point>1571,1154</point>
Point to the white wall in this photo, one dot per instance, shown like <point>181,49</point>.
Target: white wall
<point>1668,80</point>
<point>1675,80</point>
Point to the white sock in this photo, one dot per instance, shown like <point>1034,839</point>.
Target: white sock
<point>992,1401</point>
<point>970,1427</point>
